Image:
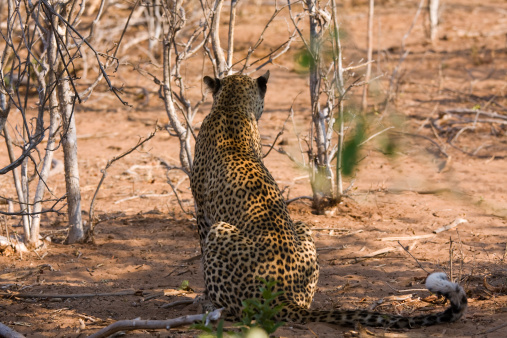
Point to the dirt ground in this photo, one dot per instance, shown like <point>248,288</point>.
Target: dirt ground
<point>146,244</point>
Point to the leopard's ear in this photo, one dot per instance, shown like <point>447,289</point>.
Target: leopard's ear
<point>262,81</point>
<point>213,84</point>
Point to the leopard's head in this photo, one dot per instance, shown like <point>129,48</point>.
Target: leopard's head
<point>239,91</point>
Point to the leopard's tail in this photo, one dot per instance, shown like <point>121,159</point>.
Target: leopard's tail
<point>436,283</point>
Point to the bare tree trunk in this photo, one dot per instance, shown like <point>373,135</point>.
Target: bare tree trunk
<point>230,47</point>
<point>25,186</point>
<point>433,12</point>
<point>4,111</point>
<point>69,143</point>
<point>19,189</point>
<point>215,39</point>
<point>185,150</point>
<point>339,83</point>
<point>154,21</point>
<point>321,175</point>
<point>54,123</point>
<point>364,103</point>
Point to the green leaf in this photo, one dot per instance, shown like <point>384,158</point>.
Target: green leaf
<point>351,150</point>
<point>185,285</point>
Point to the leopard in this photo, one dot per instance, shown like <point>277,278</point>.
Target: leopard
<point>245,230</point>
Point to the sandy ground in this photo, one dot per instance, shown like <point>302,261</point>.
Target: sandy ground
<point>146,244</point>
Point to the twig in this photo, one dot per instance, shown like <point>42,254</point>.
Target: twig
<point>137,324</point>
<point>101,67</point>
<point>371,255</point>
<point>408,290</point>
<point>403,55</point>
<point>6,331</point>
<point>454,224</point>
<point>346,69</point>
<point>462,257</point>
<point>142,196</point>
<point>297,134</point>
<point>173,187</point>
<point>270,55</point>
<point>26,152</point>
<point>334,229</point>
<point>476,112</point>
<point>378,252</point>
<point>280,132</point>
<point>215,39</point>
<point>230,49</point>
<point>298,198</point>
<point>450,258</point>
<point>501,326</point>
<point>413,258</point>
<point>283,152</point>
<point>426,138</point>
<point>493,157</point>
<point>308,49</point>
<point>178,302</point>
<point>496,289</point>
<point>376,134</point>
<point>104,174</point>
<point>48,210</point>
<point>77,295</point>
<point>475,121</point>
<point>369,42</point>
<point>406,238</point>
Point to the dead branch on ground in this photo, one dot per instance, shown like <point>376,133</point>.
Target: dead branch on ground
<point>138,324</point>
<point>453,224</point>
<point>496,328</point>
<point>6,331</point>
<point>65,296</point>
<point>496,289</point>
<point>177,303</point>
<point>454,122</point>
<point>369,42</point>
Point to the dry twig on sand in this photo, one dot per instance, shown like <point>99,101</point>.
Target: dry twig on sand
<point>492,288</point>
<point>454,224</point>
<point>137,324</point>
<point>178,302</point>
<point>494,329</point>
<point>406,238</point>
<point>75,295</point>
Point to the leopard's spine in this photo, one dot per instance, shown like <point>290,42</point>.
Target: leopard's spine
<point>436,283</point>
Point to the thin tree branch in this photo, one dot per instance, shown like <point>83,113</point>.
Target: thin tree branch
<point>418,263</point>
<point>140,143</point>
<point>215,39</point>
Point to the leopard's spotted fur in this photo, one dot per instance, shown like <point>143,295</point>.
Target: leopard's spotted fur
<point>244,226</point>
